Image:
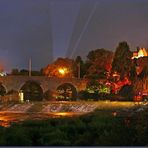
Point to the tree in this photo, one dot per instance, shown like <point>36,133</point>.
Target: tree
<point>79,65</point>
<point>143,63</point>
<point>133,73</point>
<point>63,64</point>
<point>24,72</point>
<point>99,63</point>
<point>15,71</point>
<point>122,60</point>
<point>36,73</point>
<point>127,92</point>
<point>144,72</point>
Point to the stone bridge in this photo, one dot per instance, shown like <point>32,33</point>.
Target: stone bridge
<point>16,83</point>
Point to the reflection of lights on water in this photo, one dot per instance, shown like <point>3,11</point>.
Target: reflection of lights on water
<point>63,114</point>
<point>107,101</point>
<point>114,113</point>
<point>4,122</point>
<point>66,114</point>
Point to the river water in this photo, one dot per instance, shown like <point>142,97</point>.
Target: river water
<point>39,111</point>
<point>7,118</point>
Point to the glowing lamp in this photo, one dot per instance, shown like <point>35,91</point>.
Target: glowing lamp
<point>62,71</point>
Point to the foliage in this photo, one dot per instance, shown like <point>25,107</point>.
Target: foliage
<point>75,67</point>
<point>92,86</point>
<point>140,125</point>
<point>133,73</point>
<point>99,63</point>
<point>127,92</point>
<point>144,72</point>
<point>15,71</point>
<point>141,85</point>
<point>52,70</point>
<point>95,91</point>
<point>122,60</point>
<point>25,72</point>
<point>66,92</point>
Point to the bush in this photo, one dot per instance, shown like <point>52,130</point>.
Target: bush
<point>127,92</point>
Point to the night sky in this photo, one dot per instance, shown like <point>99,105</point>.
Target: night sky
<point>47,29</point>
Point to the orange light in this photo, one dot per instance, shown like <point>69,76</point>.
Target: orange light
<point>141,53</point>
<point>62,71</point>
<point>114,113</point>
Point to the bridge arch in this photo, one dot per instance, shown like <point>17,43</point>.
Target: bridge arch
<point>32,91</point>
<point>66,91</point>
<point>2,90</point>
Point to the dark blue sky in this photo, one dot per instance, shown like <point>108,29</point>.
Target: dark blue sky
<point>47,29</point>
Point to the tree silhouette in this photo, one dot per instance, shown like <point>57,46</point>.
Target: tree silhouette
<point>122,60</point>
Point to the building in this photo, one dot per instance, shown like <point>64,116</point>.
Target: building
<point>141,52</point>
<point>140,57</point>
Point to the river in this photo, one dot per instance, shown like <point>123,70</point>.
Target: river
<point>39,111</point>
<point>7,118</point>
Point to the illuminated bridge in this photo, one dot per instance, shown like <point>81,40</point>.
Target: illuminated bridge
<point>39,87</point>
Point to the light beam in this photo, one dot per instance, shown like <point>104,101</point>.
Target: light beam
<point>84,29</point>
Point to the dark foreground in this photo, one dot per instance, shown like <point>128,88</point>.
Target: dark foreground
<point>100,128</point>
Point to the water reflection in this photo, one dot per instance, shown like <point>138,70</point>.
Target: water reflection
<point>3,121</point>
<point>44,110</point>
<point>6,119</point>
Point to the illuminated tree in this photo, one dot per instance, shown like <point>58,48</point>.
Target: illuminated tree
<point>93,86</point>
<point>141,85</point>
<point>144,72</point>
<point>62,67</point>
<point>99,63</point>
